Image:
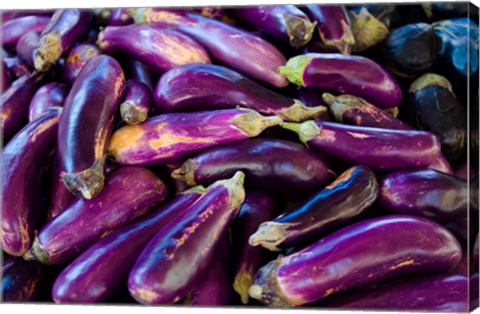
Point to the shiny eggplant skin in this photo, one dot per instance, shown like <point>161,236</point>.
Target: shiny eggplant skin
<point>48,96</point>
<point>120,17</point>
<point>141,72</point>
<point>333,26</point>
<point>16,67</point>
<point>60,197</point>
<point>5,79</point>
<point>286,23</point>
<point>217,87</point>
<point>65,28</point>
<point>341,202</point>
<point>23,160</point>
<point>20,279</point>
<point>15,102</point>
<point>161,48</point>
<point>355,75</point>
<point>26,46</point>
<point>14,29</point>
<point>181,252</point>
<point>257,208</point>
<point>76,59</point>
<point>363,254</point>
<point>425,192</point>
<point>105,265</point>
<point>267,163</point>
<point>92,101</point>
<point>228,45</point>
<point>378,149</point>
<point>136,103</point>
<point>172,136</point>
<point>129,193</point>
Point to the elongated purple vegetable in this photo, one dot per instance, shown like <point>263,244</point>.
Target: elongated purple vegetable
<point>137,102</point>
<point>23,160</point>
<point>227,44</point>
<point>15,102</point>
<point>355,75</point>
<point>92,101</point>
<point>425,192</point>
<point>171,136</point>
<point>105,265</point>
<point>362,254</point>
<point>161,48</point>
<point>16,67</point>
<point>333,26</point>
<point>76,59</point>
<point>65,28</point>
<point>267,163</point>
<point>120,17</point>
<point>378,149</point>
<point>177,256</point>
<point>60,197</point>
<point>141,72</point>
<point>341,202</point>
<point>48,96</point>
<point>13,29</point>
<point>217,87</point>
<point>26,46</point>
<point>20,279</point>
<point>247,260</point>
<point>286,23</point>
<point>129,193</point>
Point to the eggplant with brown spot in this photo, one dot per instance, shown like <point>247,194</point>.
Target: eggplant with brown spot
<point>48,96</point>
<point>137,102</point>
<point>76,59</point>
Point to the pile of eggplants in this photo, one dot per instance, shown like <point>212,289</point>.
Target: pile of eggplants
<point>319,156</point>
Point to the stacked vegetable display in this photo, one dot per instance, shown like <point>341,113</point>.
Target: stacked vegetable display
<point>287,156</point>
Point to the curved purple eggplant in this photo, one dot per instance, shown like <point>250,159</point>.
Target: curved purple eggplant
<point>20,280</point>
<point>217,87</point>
<point>13,29</point>
<point>26,46</point>
<point>23,160</point>
<point>227,44</point>
<point>105,265</point>
<point>425,192</point>
<point>76,59</point>
<point>60,196</point>
<point>119,17</point>
<point>267,164</point>
<point>362,254</point>
<point>137,102</point>
<point>180,253</point>
<point>141,72</point>
<point>129,193</point>
<point>161,48</point>
<point>378,149</point>
<point>247,260</point>
<point>339,73</point>
<point>16,67</point>
<point>48,96</point>
<point>172,136</point>
<point>286,23</point>
<point>341,202</point>
<point>65,28</point>
<point>333,25</point>
<point>92,101</point>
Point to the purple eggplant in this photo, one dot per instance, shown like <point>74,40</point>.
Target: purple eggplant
<point>119,17</point>
<point>340,203</point>
<point>355,75</point>
<point>137,102</point>
<point>5,79</point>
<point>141,72</point>
<point>333,25</point>
<point>23,160</point>
<point>48,96</point>
<point>475,251</point>
<point>13,29</point>
<point>362,254</point>
<point>92,101</point>
<point>378,149</point>
<point>247,260</point>
<point>267,164</point>
<point>129,193</point>
<point>217,87</point>
<point>433,293</point>
<point>26,46</point>
<point>105,265</point>
<point>15,102</point>
<point>180,253</point>
<point>172,136</point>
<point>161,48</point>
<point>76,59</point>
<point>65,28</point>
<point>16,67</point>
<point>227,44</point>
<point>60,197</point>
<point>286,23</point>
<point>425,192</point>
<point>20,280</point>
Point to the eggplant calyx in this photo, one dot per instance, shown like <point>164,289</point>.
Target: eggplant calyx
<point>200,189</point>
<point>270,234</point>
<point>306,131</point>
<point>300,31</point>
<point>37,253</point>
<point>430,79</point>
<point>87,183</point>
<point>344,44</point>
<point>131,114</point>
<point>243,281</point>
<point>295,68</point>
<point>186,172</point>
<point>367,30</point>
<point>298,112</point>
<point>235,189</point>
<point>252,123</point>
<point>48,51</point>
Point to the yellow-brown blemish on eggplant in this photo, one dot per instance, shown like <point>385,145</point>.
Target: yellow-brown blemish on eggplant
<point>182,54</point>
<point>74,58</point>
<point>119,85</point>
<point>125,138</point>
<point>345,176</point>
<point>168,139</point>
<point>43,127</point>
<point>404,263</point>
<point>358,135</point>
<point>24,233</point>
<point>329,291</point>
<point>152,16</point>
<point>327,135</point>
<point>6,114</point>
<point>146,295</point>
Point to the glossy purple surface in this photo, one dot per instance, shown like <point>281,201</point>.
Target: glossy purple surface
<point>141,72</point>
<point>13,29</point>
<point>48,96</point>
<point>5,79</point>
<point>60,196</point>
<point>76,59</point>
<point>20,280</point>
<point>16,67</point>
<point>26,46</point>
<point>120,17</point>
<point>23,160</point>
<point>136,103</point>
